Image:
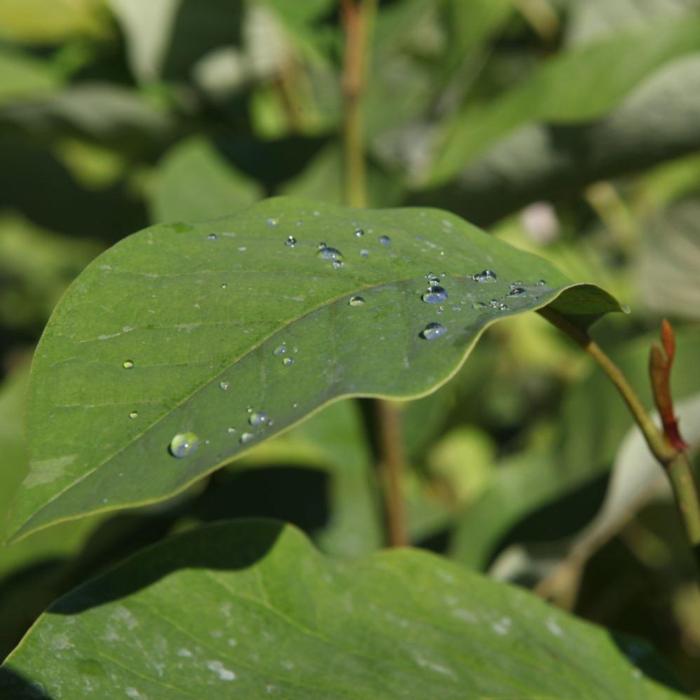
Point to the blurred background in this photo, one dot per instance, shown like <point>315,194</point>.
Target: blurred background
<point>570,128</point>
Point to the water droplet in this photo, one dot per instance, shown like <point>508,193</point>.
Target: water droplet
<point>498,305</point>
<point>280,350</point>
<point>516,291</point>
<point>485,276</point>
<point>258,419</point>
<point>245,438</point>
<point>541,283</point>
<point>133,414</point>
<point>356,301</point>
<point>385,240</point>
<point>435,295</point>
<point>224,285</point>
<point>183,445</point>
<point>479,305</point>
<point>272,222</point>
<point>432,278</point>
<point>212,236</point>
<point>288,361</point>
<point>231,430</point>
<point>433,331</point>
<point>224,385</point>
<point>359,233</point>
<point>327,253</point>
<point>127,364</point>
<point>290,242</point>
<point>364,253</point>
<point>337,264</point>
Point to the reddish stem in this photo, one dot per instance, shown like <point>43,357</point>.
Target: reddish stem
<point>660,364</point>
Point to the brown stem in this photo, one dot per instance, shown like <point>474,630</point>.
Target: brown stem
<point>392,461</point>
<point>357,18</point>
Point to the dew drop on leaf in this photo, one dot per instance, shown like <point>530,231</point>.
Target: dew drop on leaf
<point>516,291</point>
<point>359,233</point>
<point>435,295</point>
<point>356,301</point>
<point>290,242</point>
<point>225,386</point>
<point>364,253</point>
<point>212,236</point>
<point>133,414</point>
<point>183,445</point>
<point>280,350</point>
<point>245,438</point>
<point>258,418</point>
<point>385,240</point>
<point>327,253</point>
<point>128,364</point>
<point>288,361</point>
<point>433,331</point>
<point>485,276</point>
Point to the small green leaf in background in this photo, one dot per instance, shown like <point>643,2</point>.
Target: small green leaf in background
<point>251,610</point>
<point>194,182</point>
<point>184,345</point>
<point>576,86</point>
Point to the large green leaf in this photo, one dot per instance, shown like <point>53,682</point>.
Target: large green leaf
<point>577,86</point>
<point>250,609</point>
<point>226,331</point>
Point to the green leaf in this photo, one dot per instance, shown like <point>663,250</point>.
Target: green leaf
<point>22,76</point>
<point>333,440</point>
<point>576,86</point>
<point>51,21</point>
<point>165,38</point>
<point>195,182</point>
<point>221,334</point>
<point>250,609</point>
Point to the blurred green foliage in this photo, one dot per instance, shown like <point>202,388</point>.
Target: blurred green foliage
<point>569,127</point>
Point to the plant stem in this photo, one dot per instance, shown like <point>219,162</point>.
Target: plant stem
<point>674,461</point>
<point>685,491</point>
<point>357,16</point>
<point>357,20</point>
<point>392,459</point>
<point>662,452</point>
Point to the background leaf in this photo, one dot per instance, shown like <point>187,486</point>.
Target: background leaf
<point>272,616</point>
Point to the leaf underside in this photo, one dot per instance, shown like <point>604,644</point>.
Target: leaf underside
<point>196,328</point>
<point>251,610</point>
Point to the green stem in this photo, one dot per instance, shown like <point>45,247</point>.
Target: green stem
<point>675,462</point>
<point>358,17</point>
<point>663,452</point>
<point>685,491</point>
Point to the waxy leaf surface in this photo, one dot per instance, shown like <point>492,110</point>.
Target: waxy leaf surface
<point>250,609</point>
<point>201,340</point>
